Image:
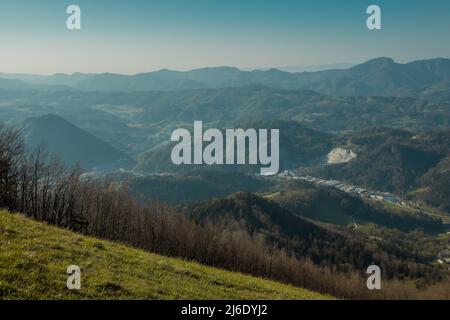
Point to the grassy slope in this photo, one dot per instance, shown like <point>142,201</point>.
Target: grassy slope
<point>34,258</point>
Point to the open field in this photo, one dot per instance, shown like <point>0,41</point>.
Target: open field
<point>34,258</point>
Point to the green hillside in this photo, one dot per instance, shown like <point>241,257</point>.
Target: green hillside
<point>34,257</point>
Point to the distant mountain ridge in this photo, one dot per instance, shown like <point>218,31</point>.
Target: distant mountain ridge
<point>378,77</point>
<point>382,77</point>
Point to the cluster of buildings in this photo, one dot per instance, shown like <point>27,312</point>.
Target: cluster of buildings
<point>443,256</point>
<point>348,188</point>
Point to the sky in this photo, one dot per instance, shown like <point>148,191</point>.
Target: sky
<point>133,36</point>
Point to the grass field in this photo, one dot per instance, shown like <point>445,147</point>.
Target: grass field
<point>34,258</point>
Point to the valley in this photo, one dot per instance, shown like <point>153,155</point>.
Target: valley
<point>374,195</point>
<point>364,179</point>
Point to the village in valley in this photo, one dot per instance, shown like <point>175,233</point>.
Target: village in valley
<point>443,257</point>
<point>352,189</point>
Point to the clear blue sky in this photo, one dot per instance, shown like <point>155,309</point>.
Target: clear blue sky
<point>131,36</point>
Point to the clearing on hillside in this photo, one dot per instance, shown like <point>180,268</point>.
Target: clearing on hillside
<point>34,258</point>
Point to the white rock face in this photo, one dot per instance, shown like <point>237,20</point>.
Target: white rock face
<point>340,155</point>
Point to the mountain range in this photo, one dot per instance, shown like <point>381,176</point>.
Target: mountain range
<point>380,77</point>
<point>123,117</point>
<point>392,119</point>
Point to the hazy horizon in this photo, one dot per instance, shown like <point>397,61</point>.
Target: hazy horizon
<point>135,37</point>
<point>288,69</point>
<point>338,65</point>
